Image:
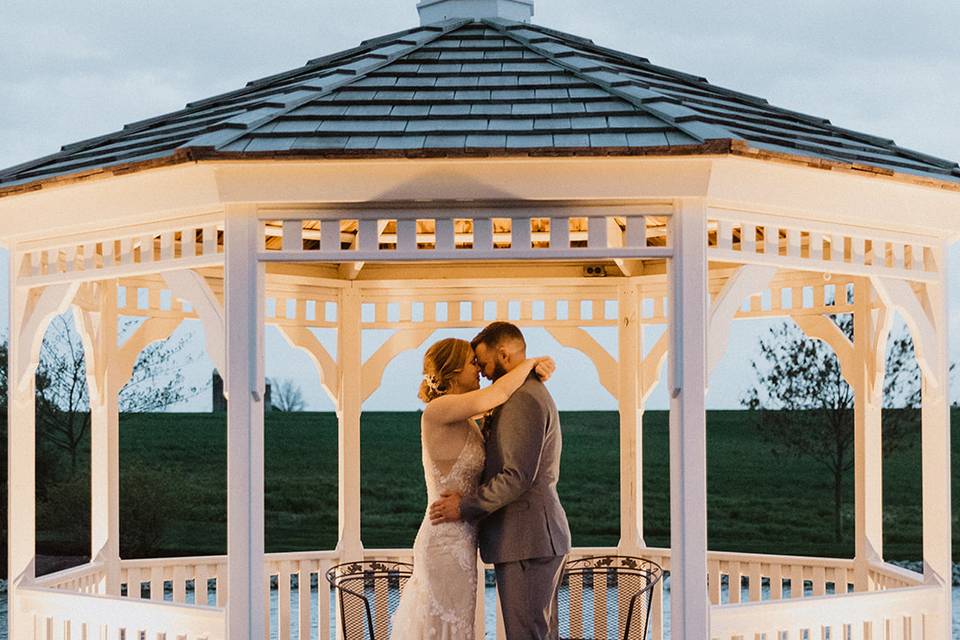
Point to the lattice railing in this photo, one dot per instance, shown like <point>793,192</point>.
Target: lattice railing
<point>508,233</point>
<point>144,249</point>
<point>832,248</point>
<point>797,293</point>
<point>583,302</point>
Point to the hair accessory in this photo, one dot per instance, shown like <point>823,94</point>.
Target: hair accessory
<point>432,382</point>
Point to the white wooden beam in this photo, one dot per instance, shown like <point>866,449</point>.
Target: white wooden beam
<point>871,328</point>
<point>98,334</point>
<point>21,460</point>
<point>630,404</point>
<point>244,280</point>
<point>690,610</point>
<point>349,406</point>
<point>935,454</point>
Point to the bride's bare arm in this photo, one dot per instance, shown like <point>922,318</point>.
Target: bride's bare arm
<point>458,407</point>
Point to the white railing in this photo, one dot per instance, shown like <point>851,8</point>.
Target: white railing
<point>749,238</point>
<point>755,577</point>
<point>298,572</point>
<point>66,615</point>
<point>752,595</point>
<point>204,577</point>
<point>148,248</point>
<point>86,578</point>
<point>876,615</point>
<point>463,232</point>
<point>884,576</point>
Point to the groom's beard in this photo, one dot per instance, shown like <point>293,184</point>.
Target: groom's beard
<point>498,371</point>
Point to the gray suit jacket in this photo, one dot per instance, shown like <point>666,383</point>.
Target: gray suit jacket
<point>517,503</point>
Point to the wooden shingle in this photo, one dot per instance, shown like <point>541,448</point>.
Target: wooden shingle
<point>485,85</point>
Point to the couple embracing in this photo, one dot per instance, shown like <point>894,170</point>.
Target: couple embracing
<point>494,485</point>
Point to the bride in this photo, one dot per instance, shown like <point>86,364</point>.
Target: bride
<point>439,600</point>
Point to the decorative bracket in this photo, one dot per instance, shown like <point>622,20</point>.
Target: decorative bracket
<point>826,330</point>
<point>303,338</point>
<point>747,280</point>
<point>152,330</point>
<point>40,309</point>
<point>192,287</point>
<point>899,295</point>
<point>376,365</point>
<point>652,367</point>
<point>90,322</point>
<point>579,339</point>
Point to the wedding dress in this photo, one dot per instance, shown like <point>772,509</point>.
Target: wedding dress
<point>439,601</point>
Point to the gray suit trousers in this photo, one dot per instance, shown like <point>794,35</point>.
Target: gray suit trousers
<point>528,597</point>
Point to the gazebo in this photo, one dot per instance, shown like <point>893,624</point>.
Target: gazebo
<point>478,167</point>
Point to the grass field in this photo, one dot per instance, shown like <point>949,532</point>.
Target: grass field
<point>756,502</point>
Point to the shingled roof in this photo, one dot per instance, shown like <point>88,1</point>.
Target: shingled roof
<point>477,87</point>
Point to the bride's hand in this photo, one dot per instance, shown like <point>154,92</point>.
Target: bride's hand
<point>544,368</point>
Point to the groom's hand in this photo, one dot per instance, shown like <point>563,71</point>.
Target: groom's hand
<point>446,509</point>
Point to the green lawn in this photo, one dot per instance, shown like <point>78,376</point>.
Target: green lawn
<point>756,502</point>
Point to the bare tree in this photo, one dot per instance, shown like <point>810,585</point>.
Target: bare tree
<point>806,406</point>
<point>63,401</point>
<point>286,395</point>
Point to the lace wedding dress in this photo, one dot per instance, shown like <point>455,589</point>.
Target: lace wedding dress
<point>439,601</point>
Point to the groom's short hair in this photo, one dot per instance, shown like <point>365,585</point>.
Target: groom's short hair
<point>496,333</point>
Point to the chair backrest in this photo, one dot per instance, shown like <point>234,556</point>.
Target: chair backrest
<point>607,597</point>
<point>368,593</point>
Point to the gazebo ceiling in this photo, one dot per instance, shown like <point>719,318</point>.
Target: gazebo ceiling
<point>468,87</point>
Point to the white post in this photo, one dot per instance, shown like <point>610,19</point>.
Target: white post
<point>690,612</point>
<point>630,364</point>
<point>105,442</point>
<point>935,455</point>
<point>349,402</point>
<point>30,315</point>
<point>21,468</point>
<point>246,614</point>
<point>869,352</point>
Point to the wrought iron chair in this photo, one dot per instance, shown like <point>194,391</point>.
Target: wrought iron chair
<point>368,593</point>
<point>607,597</point>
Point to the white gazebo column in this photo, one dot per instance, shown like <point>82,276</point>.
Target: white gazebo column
<point>935,452</point>
<point>870,329</point>
<point>21,469</point>
<point>243,283</point>
<point>630,363</point>
<point>350,399</point>
<point>105,438</point>
<point>690,612</point>
<point>30,314</point>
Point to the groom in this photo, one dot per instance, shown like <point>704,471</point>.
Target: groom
<point>522,526</point>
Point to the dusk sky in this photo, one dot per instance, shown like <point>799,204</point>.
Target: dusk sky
<point>72,70</point>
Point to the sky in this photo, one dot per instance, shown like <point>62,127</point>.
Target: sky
<point>71,70</point>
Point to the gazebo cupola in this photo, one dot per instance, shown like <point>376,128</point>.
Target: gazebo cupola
<point>478,167</point>
<point>432,11</point>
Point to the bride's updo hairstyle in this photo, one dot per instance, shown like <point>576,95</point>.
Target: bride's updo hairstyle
<point>441,363</point>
